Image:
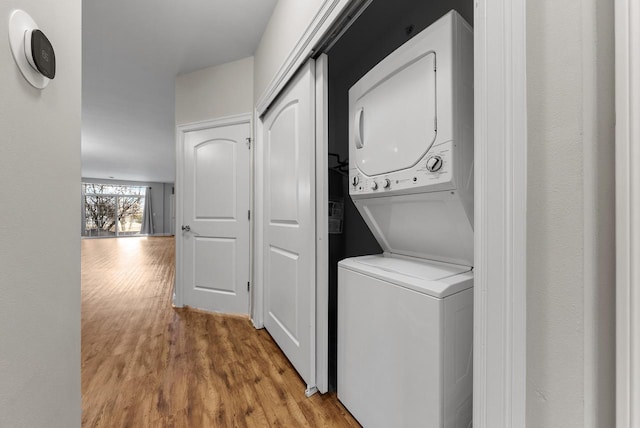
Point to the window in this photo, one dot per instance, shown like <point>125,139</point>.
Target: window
<point>112,210</point>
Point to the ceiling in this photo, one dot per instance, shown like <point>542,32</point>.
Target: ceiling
<point>132,51</point>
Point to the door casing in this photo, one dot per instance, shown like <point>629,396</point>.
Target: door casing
<point>627,70</point>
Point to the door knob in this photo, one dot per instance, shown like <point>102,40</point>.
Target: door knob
<point>186,228</point>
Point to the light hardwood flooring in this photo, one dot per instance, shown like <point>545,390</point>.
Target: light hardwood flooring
<point>146,364</point>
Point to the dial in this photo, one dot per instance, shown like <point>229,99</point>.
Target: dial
<point>355,180</point>
<point>374,185</point>
<point>386,183</point>
<point>434,163</point>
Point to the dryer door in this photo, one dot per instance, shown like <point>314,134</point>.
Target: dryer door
<point>393,115</point>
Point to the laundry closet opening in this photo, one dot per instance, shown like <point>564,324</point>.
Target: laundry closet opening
<point>381,28</point>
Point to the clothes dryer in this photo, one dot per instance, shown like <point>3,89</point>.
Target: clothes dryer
<point>405,317</point>
<point>411,145</point>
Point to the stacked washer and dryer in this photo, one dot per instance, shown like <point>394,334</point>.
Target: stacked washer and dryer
<point>405,317</point>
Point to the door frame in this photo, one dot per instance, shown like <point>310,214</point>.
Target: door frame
<point>500,176</point>
<point>500,270</point>
<point>627,76</point>
<point>181,130</point>
<point>322,223</point>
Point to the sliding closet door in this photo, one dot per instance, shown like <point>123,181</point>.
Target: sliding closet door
<point>289,222</point>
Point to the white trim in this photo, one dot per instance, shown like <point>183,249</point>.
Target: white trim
<point>178,292</point>
<point>257,314</point>
<point>214,123</point>
<point>322,225</point>
<point>181,130</point>
<point>598,213</point>
<point>312,386</point>
<point>252,223</point>
<point>627,29</point>
<point>326,16</point>
<point>500,227</point>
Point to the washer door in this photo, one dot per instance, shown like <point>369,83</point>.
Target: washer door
<point>393,115</point>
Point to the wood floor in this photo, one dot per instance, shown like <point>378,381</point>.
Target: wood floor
<point>146,364</point>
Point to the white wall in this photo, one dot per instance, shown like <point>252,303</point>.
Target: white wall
<point>288,22</point>
<point>570,286</point>
<point>214,92</point>
<point>40,244</point>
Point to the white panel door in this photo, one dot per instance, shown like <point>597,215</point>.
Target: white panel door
<point>216,227</point>
<point>289,229</point>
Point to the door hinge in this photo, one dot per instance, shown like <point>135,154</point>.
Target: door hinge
<point>249,215</point>
<point>248,286</point>
<point>435,123</point>
<point>248,142</point>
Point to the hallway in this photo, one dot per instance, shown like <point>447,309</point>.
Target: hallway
<point>145,364</point>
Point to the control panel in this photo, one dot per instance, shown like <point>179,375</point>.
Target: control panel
<point>434,169</point>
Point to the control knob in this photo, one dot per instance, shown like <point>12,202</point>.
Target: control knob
<point>387,183</point>
<point>374,185</point>
<point>355,180</point>
<point>434,163</point>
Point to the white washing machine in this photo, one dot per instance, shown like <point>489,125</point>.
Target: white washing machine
<point>405,317</point>
<point>405,342</point>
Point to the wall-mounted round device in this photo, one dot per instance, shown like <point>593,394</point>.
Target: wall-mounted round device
<point>31,49</point>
